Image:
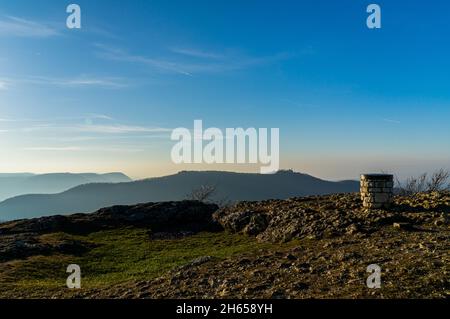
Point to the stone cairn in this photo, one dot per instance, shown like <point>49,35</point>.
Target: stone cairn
<point>377,190</point>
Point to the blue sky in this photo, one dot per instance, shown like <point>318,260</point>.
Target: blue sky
<point>105,98</point>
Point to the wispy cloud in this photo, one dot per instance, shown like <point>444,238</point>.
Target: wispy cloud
<point>197,53</point>
<point>18,27</point>
<point>392,121</point>
<point>156,63</point>
<point>82,149</point>
<point>8,120</point>
<point>86,82</point>
<point>80,81</point>
<point>67,134</point>
<point>83,81</point>
<point>53,149</point>
<point>100,31</point>
<point>67,126</point>
<point>108,137</point>
<point>120,129</point>
<point>208,62</point>
<point>86,117</point>
<point>3,85</point>
<point>92,116</point>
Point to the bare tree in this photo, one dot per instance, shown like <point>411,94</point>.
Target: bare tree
<point>207,194</point>
<point>438,180</point>
<point>422,183</point>
<point>416,184</point>
<point>203,193</point>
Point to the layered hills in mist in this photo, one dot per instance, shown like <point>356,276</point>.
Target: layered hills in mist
<point>12,185</point>
<point>229,186</point>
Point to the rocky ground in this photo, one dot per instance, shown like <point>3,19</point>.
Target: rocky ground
<point>21,239</point>
<point>324,269</point>
<point>332,216</point>
<point>320,248</point>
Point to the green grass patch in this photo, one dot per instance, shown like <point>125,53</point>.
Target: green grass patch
<point>119,256</point>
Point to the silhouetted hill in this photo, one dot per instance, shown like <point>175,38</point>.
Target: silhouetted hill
<point>25,183</point>
<point>230,186</point>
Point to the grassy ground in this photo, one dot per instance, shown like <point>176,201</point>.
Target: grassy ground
<point>119,256</point>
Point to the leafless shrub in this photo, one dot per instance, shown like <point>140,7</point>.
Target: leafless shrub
<point>422,183</point>
<point>438,180</point>
<point>207,194</point>
<point>203,193</point>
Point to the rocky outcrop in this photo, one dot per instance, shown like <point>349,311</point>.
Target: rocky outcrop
<point>165,216</point>
<point>20,239</point>
<point>20,246</point>
<point>331,216</point>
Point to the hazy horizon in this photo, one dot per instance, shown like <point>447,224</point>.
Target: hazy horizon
<point>220,168</point>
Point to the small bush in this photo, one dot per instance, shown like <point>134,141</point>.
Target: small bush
<point>421,184</point>
<point>203,193</point>
<point>208,194</point>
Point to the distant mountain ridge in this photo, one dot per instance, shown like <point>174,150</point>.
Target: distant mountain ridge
<point>12,185</point>
<point>230,186</point>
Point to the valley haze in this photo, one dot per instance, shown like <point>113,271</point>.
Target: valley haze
<point>15,184</point>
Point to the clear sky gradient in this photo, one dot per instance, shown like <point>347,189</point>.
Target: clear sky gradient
<point>105,98</point>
